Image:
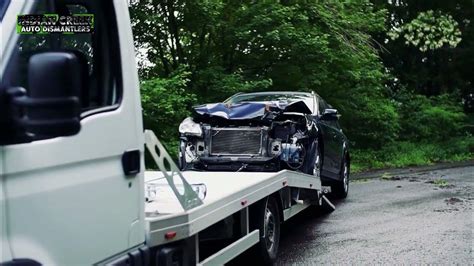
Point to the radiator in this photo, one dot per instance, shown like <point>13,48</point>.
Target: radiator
<point>236,141</point>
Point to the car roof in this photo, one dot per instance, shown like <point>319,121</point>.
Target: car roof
<point>311,106</point>
<point>273,92</point>
<point>301,93</point>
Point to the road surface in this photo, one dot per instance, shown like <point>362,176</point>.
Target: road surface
<point>416,218</point>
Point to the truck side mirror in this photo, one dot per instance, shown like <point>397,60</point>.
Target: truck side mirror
<point>52,106</point>
<point>330,115</point>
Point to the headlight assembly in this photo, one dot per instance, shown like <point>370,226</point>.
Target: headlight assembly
<point>189,127</point>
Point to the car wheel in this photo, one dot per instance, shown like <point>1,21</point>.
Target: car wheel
<point>341,188</point>
<point>314,161</point>
<point>181,154</point>
<point>265,217</point>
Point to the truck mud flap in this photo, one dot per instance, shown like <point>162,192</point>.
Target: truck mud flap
<point>326,205</point>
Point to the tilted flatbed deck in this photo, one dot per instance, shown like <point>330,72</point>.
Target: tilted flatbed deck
<point>178,209</point>
<point>227,193</point>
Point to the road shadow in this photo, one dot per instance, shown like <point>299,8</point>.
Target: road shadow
<point>301,228</point>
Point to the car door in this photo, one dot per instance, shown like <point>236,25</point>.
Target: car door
<point>339,142</point>
<point>330,139</point>
<point>69,200</point>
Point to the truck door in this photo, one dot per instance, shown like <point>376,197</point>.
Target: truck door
<point>74,199</point>
<point>3,229</point>
<point>4,246</point>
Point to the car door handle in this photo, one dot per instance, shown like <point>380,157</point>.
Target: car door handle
<point>131,162</point>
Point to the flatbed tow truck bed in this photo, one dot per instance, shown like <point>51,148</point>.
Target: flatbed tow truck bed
<point>168,220</point>
<point>227,193</point>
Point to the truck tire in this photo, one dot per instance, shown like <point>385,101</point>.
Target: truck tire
<point>341,188</point>
<point>265,216</point>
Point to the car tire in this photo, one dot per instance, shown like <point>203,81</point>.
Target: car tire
<point>181,157</point>
<point>313,164</point>
<point>341,188</point>
<point>265,217</point>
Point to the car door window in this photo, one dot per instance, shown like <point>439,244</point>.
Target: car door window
<point>321,105</point>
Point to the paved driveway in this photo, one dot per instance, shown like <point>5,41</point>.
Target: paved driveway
<point>410,218</point>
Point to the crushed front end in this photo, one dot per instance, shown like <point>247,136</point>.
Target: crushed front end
<point>245,137</point>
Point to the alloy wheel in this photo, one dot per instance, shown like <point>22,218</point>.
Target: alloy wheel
<point>317,166</point>
<point>346,177</point>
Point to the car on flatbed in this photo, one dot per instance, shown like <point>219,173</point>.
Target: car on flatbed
<point>268,132</point>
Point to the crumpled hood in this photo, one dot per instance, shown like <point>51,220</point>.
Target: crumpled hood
<point>249,110</point>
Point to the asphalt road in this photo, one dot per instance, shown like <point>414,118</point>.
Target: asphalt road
<point>416,218</point>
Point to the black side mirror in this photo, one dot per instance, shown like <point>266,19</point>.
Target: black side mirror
<point>330,115</point>
<point>52,106</point>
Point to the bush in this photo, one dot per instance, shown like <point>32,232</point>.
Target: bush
<point>434,119</point>
<point>406,153</point>
<point>165,104</point>
<point>370,121</point>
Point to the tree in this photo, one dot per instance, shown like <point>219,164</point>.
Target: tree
<point>234,46</point>
<point>433,52</point>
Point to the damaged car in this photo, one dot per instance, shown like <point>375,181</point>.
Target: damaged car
<point>268,131</point>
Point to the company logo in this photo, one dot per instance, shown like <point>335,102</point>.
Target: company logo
<point>54,23</point>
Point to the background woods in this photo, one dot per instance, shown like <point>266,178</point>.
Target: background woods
<point>400,72</point>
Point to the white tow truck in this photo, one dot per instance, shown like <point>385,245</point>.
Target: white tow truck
<point>73,188</point>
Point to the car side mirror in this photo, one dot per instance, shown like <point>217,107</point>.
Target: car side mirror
<point>330,115</point>
<point>52,104</point>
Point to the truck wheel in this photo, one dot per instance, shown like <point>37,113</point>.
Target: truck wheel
<point>265,217</point>
<point>341,188</point>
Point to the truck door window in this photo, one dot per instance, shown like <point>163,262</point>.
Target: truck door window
<point>3,8</point>
<point>95,51</point>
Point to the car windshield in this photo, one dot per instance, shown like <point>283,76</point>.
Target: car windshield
<point>266,97</point>
<point>260,97</point>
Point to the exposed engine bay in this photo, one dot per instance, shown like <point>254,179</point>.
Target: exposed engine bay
<point>250,136</point>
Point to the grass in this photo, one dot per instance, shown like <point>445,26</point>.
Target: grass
<point>361,180</point>
<point>441,183</point>
<point>386,176</point>
<point>404,154</point>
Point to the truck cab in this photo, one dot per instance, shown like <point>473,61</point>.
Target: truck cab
<point>71,137</point>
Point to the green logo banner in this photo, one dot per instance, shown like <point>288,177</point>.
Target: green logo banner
<point>54,23</point>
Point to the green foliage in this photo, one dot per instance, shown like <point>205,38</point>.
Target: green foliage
<point>216,84</point>
<point>366,111</point>
<point>165,104</point>
<point>406,153</point>
<point>429,31</point>
<point>245,46</point>
<point>194,52</point>
<point>436,118</point>
<point>428,45</point>
<point>442,183</point>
